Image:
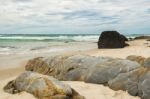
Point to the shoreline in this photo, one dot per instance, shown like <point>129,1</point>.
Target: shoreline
<point>136,48</point>
<point>16,65</point>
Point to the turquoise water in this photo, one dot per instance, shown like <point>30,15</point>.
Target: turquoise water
<point>23,43</point>
<point>47,37</point>
<point>52,37</point>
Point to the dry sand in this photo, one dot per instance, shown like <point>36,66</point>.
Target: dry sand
<point>95,91</point>
<point>90,91</point>
<point>137,47</point>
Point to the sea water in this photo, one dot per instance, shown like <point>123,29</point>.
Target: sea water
<point>22,43</point>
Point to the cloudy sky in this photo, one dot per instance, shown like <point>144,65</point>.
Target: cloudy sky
<point>74,16</point>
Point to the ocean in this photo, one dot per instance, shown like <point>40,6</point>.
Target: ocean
<point>48,37</point>
<point>53,37</point>
<point>22,43</point>
<point>25,43</point>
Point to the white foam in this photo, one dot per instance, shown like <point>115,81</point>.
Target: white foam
<point>56,38</point>
<point>85,38</point>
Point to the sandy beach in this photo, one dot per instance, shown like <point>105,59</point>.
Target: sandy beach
<point>13,65</point>
<point>74,49</point>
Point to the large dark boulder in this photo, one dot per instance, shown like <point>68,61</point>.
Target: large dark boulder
<point>112,39</point>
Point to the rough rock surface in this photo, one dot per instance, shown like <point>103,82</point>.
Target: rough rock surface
<point>112,39</point>
<point>138,59</point>
<point>131,74</point>
<point>81,67</point>
<point>144,85</point>
<point>41,86</point>
<point>147,63</point>
<point>136,82</point>
<point>127,81</point>
<point>106,71</point>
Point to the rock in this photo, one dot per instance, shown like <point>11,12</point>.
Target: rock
<point>127,81</point>
<point>142,37</point>
<point>147,63</point>
<point>52,65</point>
<point>104,72</point>
<point>131,74</point>
<point>144,86</point>
<point>66,42</point>
<point>75,68</point>
<point>136,82</point>
<point>138,59</point>
<point>64,68</point>
<point>141,60</point>
<point>112,39</point>
<point>125,39</point>
<point>41,86</point>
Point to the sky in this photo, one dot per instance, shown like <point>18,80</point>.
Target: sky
<point>74,16</point>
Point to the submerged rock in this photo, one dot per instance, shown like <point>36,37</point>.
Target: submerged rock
<point>112,39</point>
<point>41,86</point>
<point>142,37</point>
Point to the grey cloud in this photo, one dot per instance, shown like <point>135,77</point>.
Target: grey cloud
<point>22,0</point>
<point>148,11</point>
<point>76,14</point>
<point>81,14</point>
<point>86,14</point>
<point>92,13</point>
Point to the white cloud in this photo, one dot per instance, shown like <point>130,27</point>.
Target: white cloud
<point>73,15</point>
